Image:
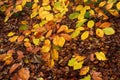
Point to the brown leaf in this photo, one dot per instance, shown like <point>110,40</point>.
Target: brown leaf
<point>92,58</point>
<point>49,33</point>
<point>46,56</point>
<point>36,49</point>
<point>2,56</point>
<point>20,54</point>
<point>24,73</point>
<point>66,36</point>
<point>105,24</point>
<point>20,38</point>
<point>14,67</point>
<point>96,75</point>
<point>98,23</point>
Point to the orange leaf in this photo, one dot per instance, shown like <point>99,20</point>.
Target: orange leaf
<point>62,28</point>
<point>49,33</point>
<point>14,67</point>
<point>13,39</point>
<point>46,56</point>
<point>20,54</point>
<point>20,38</point>
<point>99,32</point>
<point>24,74</point>
<point>66,36</point>
<point>109,6</point>
<point>27,32</point>
<point>27,44</point>
<point>84,70</point>
<point>54,54</point>
<point>105,24</point>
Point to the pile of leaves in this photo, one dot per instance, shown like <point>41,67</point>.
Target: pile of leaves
<point>42,34</point>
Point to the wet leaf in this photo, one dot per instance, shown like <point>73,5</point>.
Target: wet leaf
<point>74,15</point>
<point>14,67</point>
<point>105,24</point>
<point>118,5</point>
<point>100,56</point>
<point>13,39</point>
<point>10,34</point>
<point>99,32</point>
<point>88,77</point>
<point>78,65</point>
<point>114,12</point>
<point>36,41</point>
<point>109,31</point>
<point>24,73</point>
<point>90,23</point>
<point>55,54</point>
<point>85,35</point>
<point>84,70</point>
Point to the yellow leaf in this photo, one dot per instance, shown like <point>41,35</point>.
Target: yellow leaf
<point>13,39</point>
<point>100,56</point>
<point>24,2</point>
<point>45,2</point>
<point>101,4</point>
<point>85,35</point>
<point>51,63</point>
<point>118,5</point>
<point>90,23</point>
<point>34,5</point>
<point>36,41</point>
<point>78,65</point>
<point>62,28</point>
<point>99,32</point>
<point>49,17</point>
<point>10,34</point>
<point>46,47</point>
<point>109,6</point>
<point>33,14</point>
<point>61,41</point>
<point>36,1</point>
<point>79,7</point>
<point>79,58</point>
<point>19,7</point>
<point>84,70</point>
<point>54,54</point>
<point>114,12</point>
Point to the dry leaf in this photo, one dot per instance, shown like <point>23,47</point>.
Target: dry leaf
<point>46,47</point>
<point>24,73</point>
<point>66,36</point>
<point>114,12</point>
<point>14,67</point>
<point>27,44</point>
<point>10,34</point>
<point>99,32</point>
<point>105,24</point>
<point>20,54</point>
<point>51,63</point>
<point>49,33</point>
<point>101,4</point>
<point>58,41</point>
<point>54,54</point>
<point>20,38</point>
<point>100,56</point>
<point>62,28</point>
<point>13,39</point>
<point>85,35</point>
<point>109,6</point>
<point>84,70</point>
<point>46,56</point>
<point>96,75</point>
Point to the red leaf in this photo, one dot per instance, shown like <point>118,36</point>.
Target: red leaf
<point>20,54</point>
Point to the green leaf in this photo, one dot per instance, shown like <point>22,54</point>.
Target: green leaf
<point>88,77</point>
<point>71,62</point>
<point>78,65</point>
<point>23,27</point>
<point>73,15</point>
<point>87,15</point>
<point>75,33</point>
<point>80,23</point>
<point>109,31</point>
<point>29,4</point>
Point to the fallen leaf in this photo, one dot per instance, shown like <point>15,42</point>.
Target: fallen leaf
<point>100,56</point>
<point>46,56</point>
<point>49,33</point>
<point>46,47</point>
<point>105,24</point>
<point>27,44</point>
<point>109,6</point>
<point>14,67</point>
<point>19,7</point>
<point>99,32</point>
<point>118,5</point>
<point>114,12</point>
<point>85,35</point>
<point>20,38</point>
<point>20,54</point>
<point>101,4</point>
<point>24,73</point>
<point>58,41</point>
<point>36,41</point>
<point>88,77</point>
<point>78,65</point>
<point>23,27</point>
<point>96,75</point>
<point>62,28</point>
<point>74,15</point>
<point>71,62</point>
<point>109,31</point>
<point>66,36</point>
<point>84,70</point>
<point>27,32</point>
<point>92,58</point>
<point>10,34</point>
<point>55,54</point>
<point>51,63</point>
<point>90,23</point>
<point>13,39</point>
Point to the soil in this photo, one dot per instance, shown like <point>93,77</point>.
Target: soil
<point>109,69</point>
